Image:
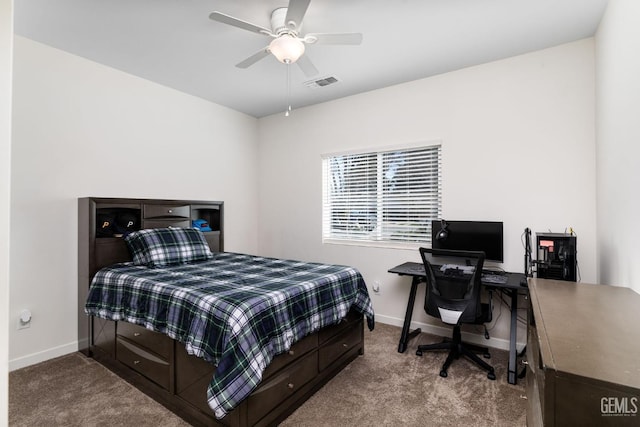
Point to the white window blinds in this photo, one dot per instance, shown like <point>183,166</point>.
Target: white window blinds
<point>387,196</point>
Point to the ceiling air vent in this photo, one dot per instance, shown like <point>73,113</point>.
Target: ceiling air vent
<point>326,81</point>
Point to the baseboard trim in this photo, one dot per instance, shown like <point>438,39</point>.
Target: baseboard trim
<point>499,343</point>
<point>42,356</point>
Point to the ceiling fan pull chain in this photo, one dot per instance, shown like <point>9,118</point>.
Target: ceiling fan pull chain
<point>286,114</point>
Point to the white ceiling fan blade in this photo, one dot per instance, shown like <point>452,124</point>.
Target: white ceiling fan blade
<point>336,38</point>
<point>295,13</point>
<point>307,66</point>
<point>254,58</point>
<point>230,20</point>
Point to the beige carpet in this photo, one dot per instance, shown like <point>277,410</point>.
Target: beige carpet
<point>382,388</point>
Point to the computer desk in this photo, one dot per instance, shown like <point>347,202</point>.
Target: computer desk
<point>516,282</point>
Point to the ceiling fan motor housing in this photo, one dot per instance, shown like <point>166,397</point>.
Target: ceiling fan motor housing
<point>279,26</point>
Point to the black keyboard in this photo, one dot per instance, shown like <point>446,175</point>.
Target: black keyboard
<point>498,279</point>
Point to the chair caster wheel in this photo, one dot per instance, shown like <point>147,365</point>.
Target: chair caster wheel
<point>491,376</point>
<point>444,374</point>
<point>418,353</point>
<point>487,355</point>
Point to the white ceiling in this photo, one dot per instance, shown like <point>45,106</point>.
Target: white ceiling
<point>174,43</point>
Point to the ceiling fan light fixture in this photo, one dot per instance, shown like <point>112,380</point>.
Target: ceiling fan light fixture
<point>286,48</point>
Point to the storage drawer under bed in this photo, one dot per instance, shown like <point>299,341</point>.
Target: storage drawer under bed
<point>154,341</point>
<point>279,387</point>
<point>143,362</point>
<point>340,344</point>
<point>297,350</point>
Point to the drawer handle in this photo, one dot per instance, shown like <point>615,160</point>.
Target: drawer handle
<point>291,352</point>
<point>290,385</point>
<point>345,345</point>
<point>169,210</point>
<point>136,362</point>
<point>524,362</point>
<point>136,334</point>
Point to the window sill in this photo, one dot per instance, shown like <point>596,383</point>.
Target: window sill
<point>409,246</point>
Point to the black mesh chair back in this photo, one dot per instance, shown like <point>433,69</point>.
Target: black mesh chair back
<point>454,296</point>
<point>456,290</point>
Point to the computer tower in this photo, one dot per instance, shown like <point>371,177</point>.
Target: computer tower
<point>557,256</point>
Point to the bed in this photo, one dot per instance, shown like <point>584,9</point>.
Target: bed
<point>224,338</point>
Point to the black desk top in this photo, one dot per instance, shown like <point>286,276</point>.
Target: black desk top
<point>416,269</point>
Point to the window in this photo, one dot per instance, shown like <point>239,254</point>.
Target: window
<point>387,197</point>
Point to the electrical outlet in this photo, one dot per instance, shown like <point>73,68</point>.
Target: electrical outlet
<point>24,321</point>
<point>376,286</point>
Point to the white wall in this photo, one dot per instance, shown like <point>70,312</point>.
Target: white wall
<point>618,147</point>
<point>82,129</point>
<point>518,146</point>
<point>6,53</point>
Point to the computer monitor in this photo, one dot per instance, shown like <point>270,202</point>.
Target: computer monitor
<point>485,236</point>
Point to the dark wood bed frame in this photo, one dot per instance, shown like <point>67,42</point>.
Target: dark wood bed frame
<point>160,366</point>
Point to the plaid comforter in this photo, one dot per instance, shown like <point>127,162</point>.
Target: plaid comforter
<point>235,311</point>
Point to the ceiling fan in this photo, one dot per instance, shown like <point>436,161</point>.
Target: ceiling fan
<point>288,45</point>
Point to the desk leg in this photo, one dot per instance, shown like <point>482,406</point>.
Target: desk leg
<point>512,374</point>
<point>406,335</point>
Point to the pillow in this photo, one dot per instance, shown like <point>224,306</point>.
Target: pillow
<point>156,247</point>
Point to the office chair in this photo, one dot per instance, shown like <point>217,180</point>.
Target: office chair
<point>454,297</point>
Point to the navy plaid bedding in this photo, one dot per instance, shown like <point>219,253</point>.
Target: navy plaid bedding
<point>235,311</point>
<point>157,247</point>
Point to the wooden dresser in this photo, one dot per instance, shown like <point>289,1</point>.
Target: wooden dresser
<point>583,355</point>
